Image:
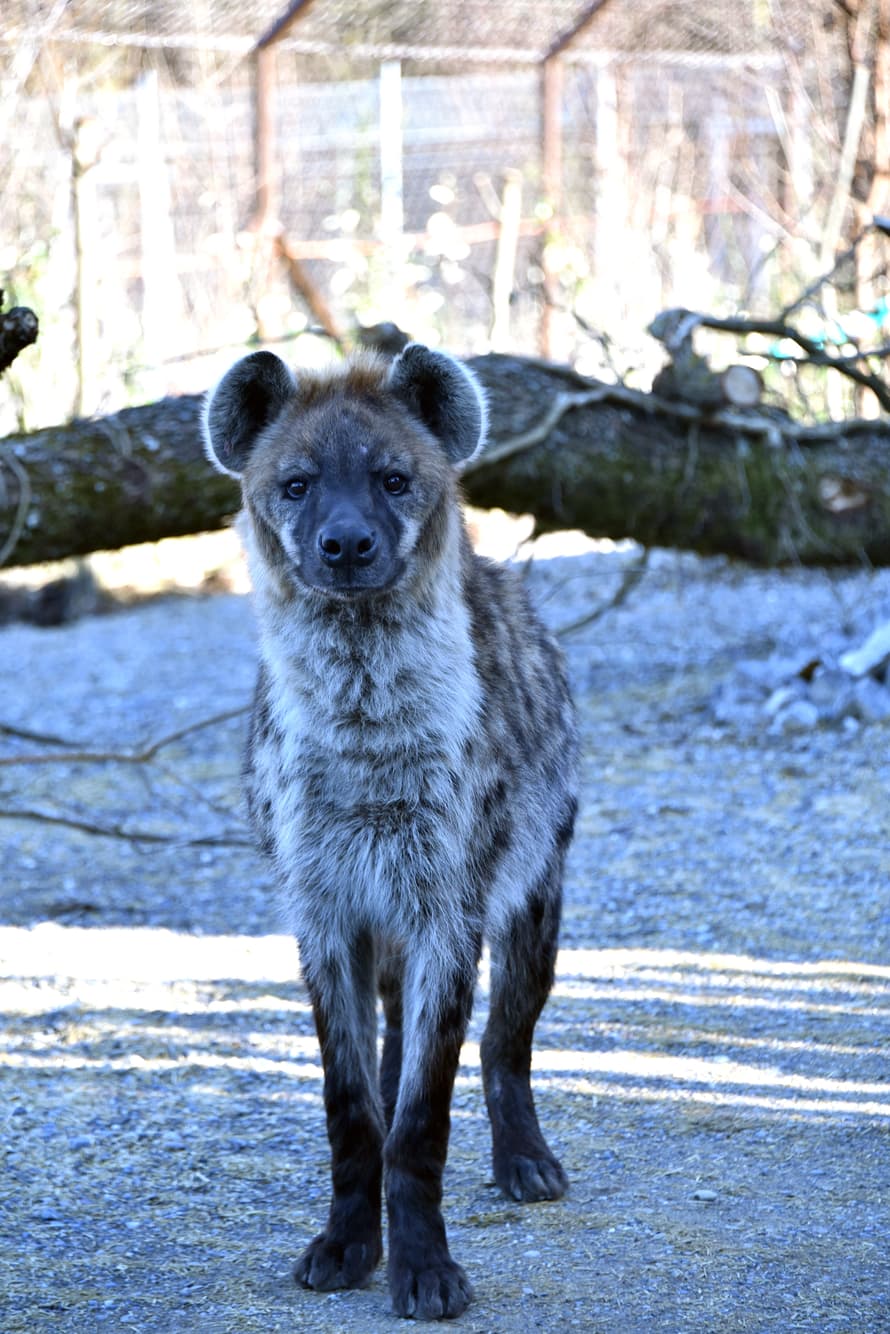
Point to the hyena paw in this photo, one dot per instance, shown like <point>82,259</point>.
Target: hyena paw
<point>329,1263</point>
<point>531,1176</point>
<point>431,1287</point>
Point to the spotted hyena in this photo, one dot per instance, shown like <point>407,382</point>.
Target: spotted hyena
<point>411,771</point>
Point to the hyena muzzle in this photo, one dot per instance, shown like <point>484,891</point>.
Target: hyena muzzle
<point>411,770</point>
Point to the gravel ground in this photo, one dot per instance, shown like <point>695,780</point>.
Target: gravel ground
<point>713,1065</point>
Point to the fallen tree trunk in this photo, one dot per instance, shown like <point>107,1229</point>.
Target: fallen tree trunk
<point>616,463</point>
<point>576,454</point>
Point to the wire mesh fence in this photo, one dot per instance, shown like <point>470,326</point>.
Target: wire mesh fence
<point>699,152</point>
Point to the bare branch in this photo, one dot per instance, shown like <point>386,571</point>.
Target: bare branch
<point>824,278</point>
<point>130,835</point>
<point>632,576</point>
<point>562,404</point>
<point>111,756</point>
<point>816,355</point>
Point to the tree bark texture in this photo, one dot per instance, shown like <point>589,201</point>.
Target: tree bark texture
<point>612,461</point>
<point>136,476</point>
<point>625,464</point>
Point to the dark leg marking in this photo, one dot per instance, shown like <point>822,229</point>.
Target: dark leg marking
<point>424,1281</point>
<point>522,970</point>
<point>346,1253</point>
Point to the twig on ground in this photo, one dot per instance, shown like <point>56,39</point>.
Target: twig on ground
<point>129,835</point>
<point>45,738</point>
<point>632,576</point>
<point>112,756</point>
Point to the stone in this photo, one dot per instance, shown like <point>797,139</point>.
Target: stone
<point>832,692</point>
<point>782,698</point>
<point>872,657</point>
<point>735,704</point>
<point>774,671</point>
<point>871,701</point>
<point>800,715</point>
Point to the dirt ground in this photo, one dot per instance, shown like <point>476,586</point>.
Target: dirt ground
<point>712,1067</point>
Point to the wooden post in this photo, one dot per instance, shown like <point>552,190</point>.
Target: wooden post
<point>551,171</point>
<point>161,296</point>
<point>857,107</point>
<point>718,148</point>
<point>392,219</point>
<point>797,197</point>
<point>552,131</point>
<point>869,253</point>
<point>266,208</point>
<point>611,200</point>
<point>505,260</point>
<point>85,150</point>
<point>551,156</point>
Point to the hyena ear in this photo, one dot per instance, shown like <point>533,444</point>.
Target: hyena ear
<point>444,395</point>
<point>247,398</point>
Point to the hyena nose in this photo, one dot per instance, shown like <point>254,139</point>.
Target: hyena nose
<point>347,544</point>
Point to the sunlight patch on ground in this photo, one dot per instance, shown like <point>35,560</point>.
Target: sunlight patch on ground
<point>591,963</point>
<point>143,954</point>
<point>120,999</point>
<point>156,954</point>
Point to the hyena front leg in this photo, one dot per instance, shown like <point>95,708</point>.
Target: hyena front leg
<point>344,1002</point>
<point>424,1280</point>
<point>522,970</point>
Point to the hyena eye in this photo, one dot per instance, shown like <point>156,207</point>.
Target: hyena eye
<point>295,488</point>
<point>396,483</point>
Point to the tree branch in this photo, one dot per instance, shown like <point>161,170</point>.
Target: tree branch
<point>118,831</point>
<point>142,756</point>
<point>113,756</point>
<point>632,576</point>
<point>816,355</point>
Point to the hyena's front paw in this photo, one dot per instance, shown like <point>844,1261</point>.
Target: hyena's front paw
<point>428,1286</point>
<point>330,1262</point>
<point>533,1175</point>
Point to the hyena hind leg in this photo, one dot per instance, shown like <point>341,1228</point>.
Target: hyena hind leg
<point>522,969</point>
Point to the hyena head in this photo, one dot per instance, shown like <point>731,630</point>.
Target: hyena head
<point>348,476</point>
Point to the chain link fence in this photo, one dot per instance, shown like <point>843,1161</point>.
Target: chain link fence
<point>699,152</point>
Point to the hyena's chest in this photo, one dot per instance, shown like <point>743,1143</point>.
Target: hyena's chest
<point>367,790</point>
